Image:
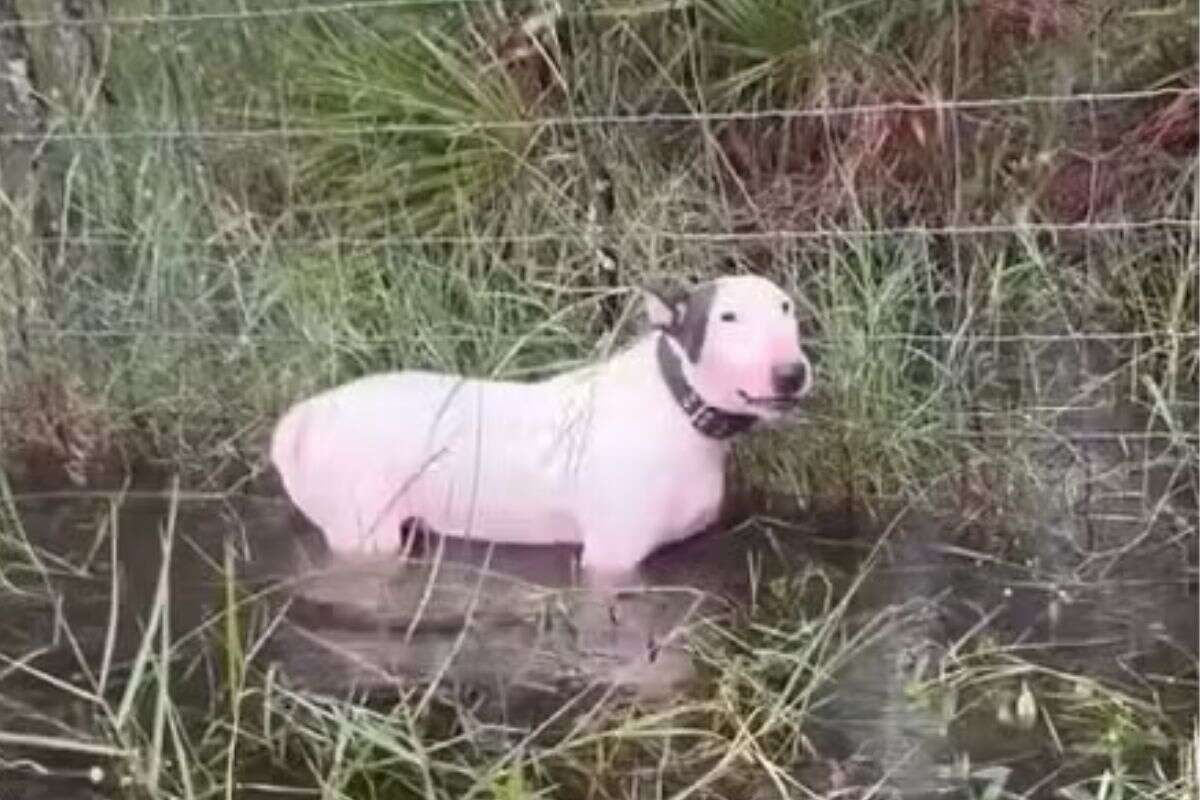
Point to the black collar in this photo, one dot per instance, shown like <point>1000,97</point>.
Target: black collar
<point>709,421</point>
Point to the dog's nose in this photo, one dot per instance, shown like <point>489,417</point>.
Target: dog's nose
<point>790,379</point>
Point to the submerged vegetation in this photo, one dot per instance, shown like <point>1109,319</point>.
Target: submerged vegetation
<point>987,211</point>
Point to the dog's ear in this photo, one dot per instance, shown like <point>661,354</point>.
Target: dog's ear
<point>661,311</point>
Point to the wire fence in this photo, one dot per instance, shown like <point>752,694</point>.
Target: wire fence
<point>597,120</point>
<point>285,11</point>
<point>1017,229</point>
<point>1177,335</point>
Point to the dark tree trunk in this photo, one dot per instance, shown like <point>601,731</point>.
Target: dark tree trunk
<point>20,112</point>
<point>71,56</point>
<point>52,67</point>
<point>22,115</point>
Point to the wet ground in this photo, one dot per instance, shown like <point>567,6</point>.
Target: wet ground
<point>503,628</point>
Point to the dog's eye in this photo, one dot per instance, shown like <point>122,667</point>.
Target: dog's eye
<point>787,307</point>
<point>729,316</point>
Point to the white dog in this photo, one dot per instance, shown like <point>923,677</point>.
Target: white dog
<point>620,457</point>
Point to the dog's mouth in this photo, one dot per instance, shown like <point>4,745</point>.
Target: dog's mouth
<point>777,403</point>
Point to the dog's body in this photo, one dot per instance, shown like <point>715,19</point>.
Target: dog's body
<point>576,459</point>
<point>610,456</point>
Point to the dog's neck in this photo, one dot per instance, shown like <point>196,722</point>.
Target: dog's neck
<point>707,420</point>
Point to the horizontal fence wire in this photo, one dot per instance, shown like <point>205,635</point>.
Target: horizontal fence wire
<point>597,120</point>
<point>322,9</point>
<point>815,341</point>
<point>581,237</point>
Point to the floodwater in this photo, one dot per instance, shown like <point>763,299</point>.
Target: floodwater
<point>501,626</point>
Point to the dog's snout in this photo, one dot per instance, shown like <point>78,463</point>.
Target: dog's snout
<point>790,379</point>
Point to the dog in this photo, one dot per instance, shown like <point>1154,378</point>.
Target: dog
<point>620,457</point>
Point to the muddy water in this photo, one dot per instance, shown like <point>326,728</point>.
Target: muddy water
<point>502,626</point>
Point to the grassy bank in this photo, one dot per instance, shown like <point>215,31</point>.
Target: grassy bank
<point>345,215</point>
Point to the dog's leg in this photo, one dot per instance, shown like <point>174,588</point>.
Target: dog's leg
<point>606,582</point>
<point>610,567</point>
<point>596,618</point>
<point>614,544</point>
<point>414,538</point>
<point>618,613</point>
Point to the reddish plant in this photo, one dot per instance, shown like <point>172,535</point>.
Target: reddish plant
<point>56,432</point>
<point>1173,127</point>
<point>1121,167</point>
<point>894,154</point>
<point>1024,22</point>
<point>526,57</point>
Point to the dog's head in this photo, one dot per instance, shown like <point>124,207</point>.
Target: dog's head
<point>739,344</point>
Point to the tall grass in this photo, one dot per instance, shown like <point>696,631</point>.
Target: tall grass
<point>450,123</point>
<point>232,276</point>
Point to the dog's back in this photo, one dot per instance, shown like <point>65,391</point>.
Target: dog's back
<point>468,457</point>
